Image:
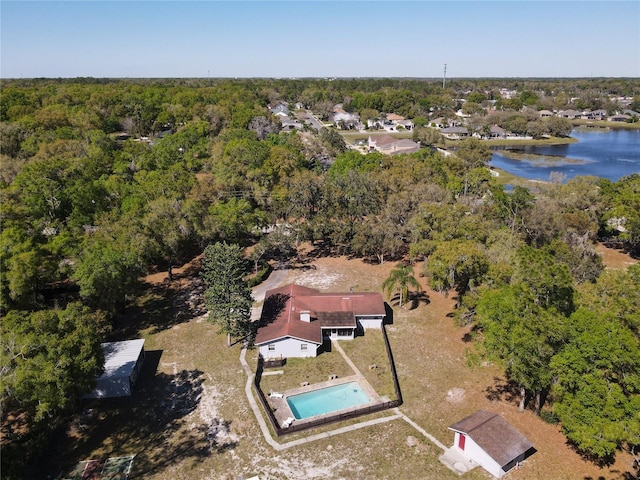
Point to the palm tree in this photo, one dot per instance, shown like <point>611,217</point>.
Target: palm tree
<point>400,278</point>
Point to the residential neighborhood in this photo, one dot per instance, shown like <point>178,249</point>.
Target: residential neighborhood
<point>488,122</point>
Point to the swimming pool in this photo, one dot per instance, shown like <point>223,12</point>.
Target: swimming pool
<point>327,400</point>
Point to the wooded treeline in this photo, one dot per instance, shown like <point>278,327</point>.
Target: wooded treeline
<point>87,210</point>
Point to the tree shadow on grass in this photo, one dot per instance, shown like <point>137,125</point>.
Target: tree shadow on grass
<point>416,298</point>
<point>413,302</point>
<point>160,307</point>
<point>628,248</point>
<point>320,249</point>
<point>471,335</point>
<point>154,424</point>
<point>502,390</point>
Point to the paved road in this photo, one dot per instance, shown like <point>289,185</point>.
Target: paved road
<point>315,123</point>
<point>277,278</point>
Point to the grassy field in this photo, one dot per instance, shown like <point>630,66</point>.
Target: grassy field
<point>190,419</point>
<point>605,124</point>
<point>497,142</point>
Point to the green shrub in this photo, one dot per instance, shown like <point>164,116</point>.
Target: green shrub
<point>549,416</point>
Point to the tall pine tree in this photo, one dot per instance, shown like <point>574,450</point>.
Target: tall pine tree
<point>228,296</point>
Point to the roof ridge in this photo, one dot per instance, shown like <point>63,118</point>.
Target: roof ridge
<point>493,415</point>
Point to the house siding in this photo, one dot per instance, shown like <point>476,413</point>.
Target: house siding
<point>473,451</point>
<point>367,323</point>
<point>289,348</point>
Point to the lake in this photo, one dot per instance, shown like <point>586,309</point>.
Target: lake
<point>611,154</point>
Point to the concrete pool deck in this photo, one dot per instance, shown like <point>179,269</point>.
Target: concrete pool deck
<point>282,411</point>
<point>311,438</point>
<point>454,460</point>
<point>281,408</point>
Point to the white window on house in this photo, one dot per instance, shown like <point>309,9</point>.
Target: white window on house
<point>272,347</point>
<point>303,347</point>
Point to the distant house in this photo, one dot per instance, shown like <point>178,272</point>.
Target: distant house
<point>344,118</point>
<point>393,117</point>
<point>280,110</point>
<point>406,124</point>
<point>594,115</point>
<point>389,145</point>
<point>506,93</point>
<point>489,440</point>
<point>122,365</point>
<point>620,118</point>
<point>454,133</point>
<point>295,320</point>
<point>497,132</point>
<point>545,113</point>
<point>439,122</point>
<point>288,124</point>
<point>121,136</point>
<point>570,114</point>
<point>390,123</point>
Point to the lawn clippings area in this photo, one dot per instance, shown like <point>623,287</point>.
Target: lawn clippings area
<point>189,417</point>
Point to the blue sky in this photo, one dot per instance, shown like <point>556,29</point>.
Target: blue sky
<point>307,38</point>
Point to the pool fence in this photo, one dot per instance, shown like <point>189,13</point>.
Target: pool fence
<point>306,424</point>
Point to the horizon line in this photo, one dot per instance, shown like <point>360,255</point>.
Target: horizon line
<point>315,77</point>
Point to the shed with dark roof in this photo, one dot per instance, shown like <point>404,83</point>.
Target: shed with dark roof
<point>490,440</point>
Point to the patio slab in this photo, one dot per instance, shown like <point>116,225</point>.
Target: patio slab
<point>455,459</point>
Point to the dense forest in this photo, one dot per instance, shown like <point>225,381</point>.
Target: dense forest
<point>102,181</point>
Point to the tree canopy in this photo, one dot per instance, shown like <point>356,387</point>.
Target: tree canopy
<point>104,180</point>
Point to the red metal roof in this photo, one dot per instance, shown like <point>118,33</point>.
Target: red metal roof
<point>283,306</point>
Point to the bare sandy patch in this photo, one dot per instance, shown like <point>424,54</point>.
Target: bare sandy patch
<point>614,258</point>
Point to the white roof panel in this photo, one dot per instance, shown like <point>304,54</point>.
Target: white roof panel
<point>120,357</point>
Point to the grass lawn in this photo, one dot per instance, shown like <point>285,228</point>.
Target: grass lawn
<point>189,417</point>
<point>516,143</point>
<point>311,370</point>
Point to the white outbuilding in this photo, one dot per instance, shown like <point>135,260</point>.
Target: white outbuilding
<point>490,441</point>
<point>122,365</point>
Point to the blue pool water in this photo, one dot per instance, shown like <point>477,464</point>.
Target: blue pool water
<point>326,400</point>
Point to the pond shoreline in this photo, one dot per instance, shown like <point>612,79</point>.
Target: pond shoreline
<point>604,153</point>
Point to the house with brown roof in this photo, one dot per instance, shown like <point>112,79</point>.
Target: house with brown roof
<point>489,440</point>
<point>296,320</point>
<point>392,146</point>
<point>454,133</point>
